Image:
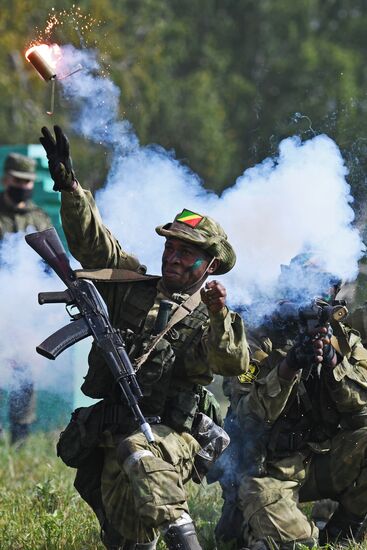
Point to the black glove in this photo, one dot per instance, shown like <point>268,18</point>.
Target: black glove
<point>300,355</point>
<point>59,161</point>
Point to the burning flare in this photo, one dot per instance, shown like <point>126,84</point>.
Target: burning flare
<point>44,59</point>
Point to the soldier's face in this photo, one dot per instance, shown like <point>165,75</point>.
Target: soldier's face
<point>183,264</point>
<point>20,183</point>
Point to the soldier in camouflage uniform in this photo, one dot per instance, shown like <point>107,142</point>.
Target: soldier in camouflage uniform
<point>135,488</point>
<point>19,213</point>
<point>311,436</point>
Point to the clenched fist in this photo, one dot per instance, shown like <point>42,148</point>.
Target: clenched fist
<point>214,296</point>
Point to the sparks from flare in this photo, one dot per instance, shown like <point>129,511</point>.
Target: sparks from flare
<point>72,18</point>
<point>66,21</point>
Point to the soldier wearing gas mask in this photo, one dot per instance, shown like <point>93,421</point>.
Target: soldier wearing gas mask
<point>302,413</point>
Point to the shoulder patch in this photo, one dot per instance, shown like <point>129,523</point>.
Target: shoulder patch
<point>250,375</point>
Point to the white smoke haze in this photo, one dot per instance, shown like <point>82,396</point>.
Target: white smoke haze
<point>276,210</point>
<point>298,201</point>
<point>23,322</point>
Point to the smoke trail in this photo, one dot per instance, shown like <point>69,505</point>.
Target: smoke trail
<point>276,210</point>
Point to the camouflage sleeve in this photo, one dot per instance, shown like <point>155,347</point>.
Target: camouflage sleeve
<point>90,242</point>
<point>347,382</point>
<point>235,387</point>
<point>269,392</point>
<point>221,350</point>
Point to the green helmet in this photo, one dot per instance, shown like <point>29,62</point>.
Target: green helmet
<point>204,232</point>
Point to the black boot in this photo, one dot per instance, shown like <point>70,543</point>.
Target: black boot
<point>342,527</point>
<point>181,537</point>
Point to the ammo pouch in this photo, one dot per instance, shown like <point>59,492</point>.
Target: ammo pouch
<point>213,440</point>
<point>209,405</point>
<point>99,381</point>
<point>159,363</point>
<point>181,409</point>
<point>81,436</point>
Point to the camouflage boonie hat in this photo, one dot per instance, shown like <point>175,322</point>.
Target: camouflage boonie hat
<point>20,166</point>
<point>204,232</point>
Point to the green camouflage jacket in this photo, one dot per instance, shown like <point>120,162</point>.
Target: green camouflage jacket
<point>309,412</point>
<point>215,344</point>
<point>13,220</point>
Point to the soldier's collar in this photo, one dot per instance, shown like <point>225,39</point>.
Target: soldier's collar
<point>177,297</point>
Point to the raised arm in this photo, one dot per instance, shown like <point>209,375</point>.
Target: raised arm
<point>90,242</point>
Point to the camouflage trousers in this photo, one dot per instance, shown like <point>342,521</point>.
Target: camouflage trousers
<point>270,504</point>
<point>142,484</point>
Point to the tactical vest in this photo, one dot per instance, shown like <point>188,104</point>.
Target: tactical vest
<point>167,390</point>
<point>310,415</point>
<point>302,420</point>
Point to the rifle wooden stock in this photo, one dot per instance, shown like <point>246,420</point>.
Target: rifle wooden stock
<point>48,245</point>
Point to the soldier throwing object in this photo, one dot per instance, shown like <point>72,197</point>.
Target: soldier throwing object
<point>137,489</point>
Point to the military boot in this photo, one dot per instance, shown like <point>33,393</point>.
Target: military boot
<point>230,525</point>
<point>342,527</point>
<point>181,535</point>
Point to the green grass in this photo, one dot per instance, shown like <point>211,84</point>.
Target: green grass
<point>40,509</point>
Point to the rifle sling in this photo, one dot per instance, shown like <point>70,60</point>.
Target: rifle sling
<point>184,309</point>
<point>115,275</point>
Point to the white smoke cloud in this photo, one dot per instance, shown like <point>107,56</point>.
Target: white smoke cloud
<point>299,200</point>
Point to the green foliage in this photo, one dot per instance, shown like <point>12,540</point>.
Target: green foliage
<point>40,509</point>
<point>218,82</point>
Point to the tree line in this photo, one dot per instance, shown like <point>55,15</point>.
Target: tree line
<point>219,81</point>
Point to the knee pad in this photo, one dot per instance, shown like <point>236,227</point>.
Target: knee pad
<point>132,460</point>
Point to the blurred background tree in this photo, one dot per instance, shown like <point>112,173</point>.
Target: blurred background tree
<point>219,81</point>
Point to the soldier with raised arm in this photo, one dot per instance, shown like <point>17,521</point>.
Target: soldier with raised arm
<point>137,489</point>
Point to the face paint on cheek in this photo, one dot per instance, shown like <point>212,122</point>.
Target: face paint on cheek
<point>198,263</point>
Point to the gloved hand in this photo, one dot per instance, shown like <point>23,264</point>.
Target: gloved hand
<point>329,354</point>
<point>315,348</point>
<point>59,161</point>
<point>301,355</point>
